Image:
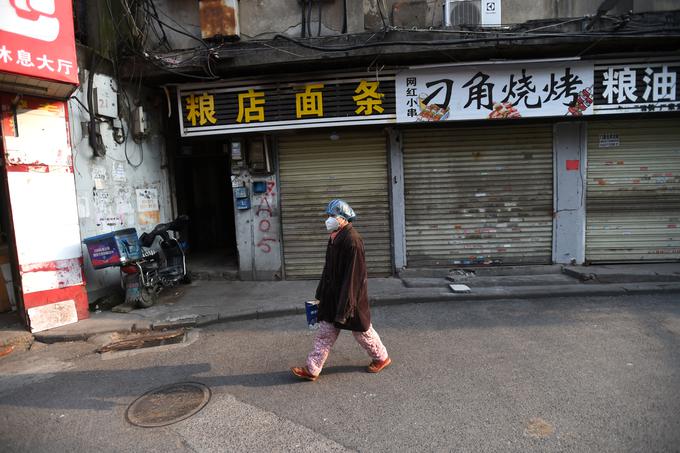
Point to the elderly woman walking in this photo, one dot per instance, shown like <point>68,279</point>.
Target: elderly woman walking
<point>343,296</point>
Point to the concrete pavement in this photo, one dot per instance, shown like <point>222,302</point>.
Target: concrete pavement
<point>211,301</point>
<point>576,374</point>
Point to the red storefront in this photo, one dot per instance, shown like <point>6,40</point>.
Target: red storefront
<point>43,268</point>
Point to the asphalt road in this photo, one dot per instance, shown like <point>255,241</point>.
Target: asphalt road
<point>588,374</point>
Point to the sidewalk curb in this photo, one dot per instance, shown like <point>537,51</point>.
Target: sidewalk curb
<point>577,290</point>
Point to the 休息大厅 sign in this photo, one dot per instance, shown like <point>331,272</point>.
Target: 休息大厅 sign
<point>37,39</point>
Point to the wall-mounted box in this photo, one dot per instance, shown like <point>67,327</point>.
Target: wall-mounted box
<point>243,203</point>
<point>104,97</point>
<point>259,186</point>
<point>240,192</point>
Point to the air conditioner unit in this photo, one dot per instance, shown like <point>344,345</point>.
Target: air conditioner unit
<point>485,13</point>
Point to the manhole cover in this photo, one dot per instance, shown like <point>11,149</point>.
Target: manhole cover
<point>168,404</point>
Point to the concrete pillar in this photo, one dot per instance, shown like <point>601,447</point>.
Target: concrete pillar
<point>243,220</point>
<point>258,229</point>
<point>569,220</point>
<point>396,163</point>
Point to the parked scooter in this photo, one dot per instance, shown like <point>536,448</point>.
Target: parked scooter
<point>146,265</point>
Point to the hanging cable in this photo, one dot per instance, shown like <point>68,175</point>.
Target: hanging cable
<point>382,16</point>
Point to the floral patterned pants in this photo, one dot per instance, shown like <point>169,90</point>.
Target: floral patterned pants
<point>325,339</point>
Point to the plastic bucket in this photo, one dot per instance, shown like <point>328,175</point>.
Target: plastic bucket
<point>312,311</point>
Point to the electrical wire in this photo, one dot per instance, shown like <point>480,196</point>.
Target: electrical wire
<point>318,31</point>
<point>461,41</point>
<point>634,29</point>
<point>81,103</point>
<point>382,16</point>
<point>141,155</point>
<point>209,50</point>
<point>177,30</point>
<point>154,60</point>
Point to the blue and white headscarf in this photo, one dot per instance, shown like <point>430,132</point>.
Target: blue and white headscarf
<point>342,209</point>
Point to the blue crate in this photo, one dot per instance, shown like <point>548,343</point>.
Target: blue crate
<point>114,249</point>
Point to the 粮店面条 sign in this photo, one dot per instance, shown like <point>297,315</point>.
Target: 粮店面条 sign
<point>250,105</point>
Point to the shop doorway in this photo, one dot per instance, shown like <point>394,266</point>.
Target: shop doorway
<point>9,314</point>
<point>203,192</point>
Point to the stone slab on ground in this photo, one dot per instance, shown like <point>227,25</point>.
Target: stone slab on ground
<point>626,273</point>
<point>491,281</point>
<point>480,271</point>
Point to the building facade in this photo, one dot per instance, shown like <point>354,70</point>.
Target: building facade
<point>558,147</point>
<point>463,133</point>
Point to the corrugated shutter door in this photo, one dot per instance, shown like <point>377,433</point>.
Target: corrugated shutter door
<point>314,170</point>
<point>478,195</point>
<point>633,198</point>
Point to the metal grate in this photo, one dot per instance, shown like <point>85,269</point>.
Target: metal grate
<point>316,168</point>
<point>168,404</point>
<point>633,198</point>
<point>478,195</point>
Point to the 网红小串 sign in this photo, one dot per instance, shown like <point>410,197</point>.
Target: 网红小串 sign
<point>469,92</point>
<point>246,106</point>
<point>37,39</point>
<point>637,86</point>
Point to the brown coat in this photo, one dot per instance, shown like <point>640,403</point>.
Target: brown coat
<point>343,288</point>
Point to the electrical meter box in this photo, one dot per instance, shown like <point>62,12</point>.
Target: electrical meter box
<point>240,192</point>
<point>243,203</point>
<point>104,96</point>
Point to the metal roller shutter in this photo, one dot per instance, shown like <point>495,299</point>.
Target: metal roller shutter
<point>633,197</point>
<point>478,195</point>
<point>313,170</point>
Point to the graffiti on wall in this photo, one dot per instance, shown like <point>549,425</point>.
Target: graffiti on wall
<point>265,232</point>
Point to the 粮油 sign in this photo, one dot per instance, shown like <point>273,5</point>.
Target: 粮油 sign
<point>494,91</point>
<point>633,86</point>
<point>256,105</point>
<point>37,39</point>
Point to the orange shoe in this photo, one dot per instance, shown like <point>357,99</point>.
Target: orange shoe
<point>302,373</point>
<point>377,366</point>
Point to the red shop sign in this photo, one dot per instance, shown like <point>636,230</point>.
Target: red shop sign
<point>37,40</point>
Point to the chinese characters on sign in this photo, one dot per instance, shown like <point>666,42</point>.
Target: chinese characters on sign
<point>637,87</point>
<point>201,108</point>
<point>279,105</point>
<point>37,39</point>
<point>453,93</point>
<point>310,101</point>
<point>494,91</point>
<point>368,98</point>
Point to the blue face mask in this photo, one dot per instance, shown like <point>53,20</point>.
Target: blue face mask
<point>332,224</point>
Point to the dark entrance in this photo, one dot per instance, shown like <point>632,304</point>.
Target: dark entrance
<point>203,192</point>
<point>9,302</point>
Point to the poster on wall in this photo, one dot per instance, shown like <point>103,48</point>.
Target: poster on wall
<point>501,91</point>
<point>148,207</point>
